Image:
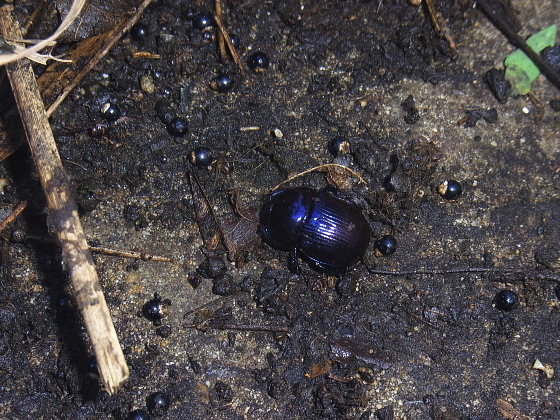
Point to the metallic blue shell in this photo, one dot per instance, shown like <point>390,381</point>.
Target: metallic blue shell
<point>327,231</point>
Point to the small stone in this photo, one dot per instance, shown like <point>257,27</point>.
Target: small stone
<point>499,86</point>
<point>547,369</point>
<point>147,84</point>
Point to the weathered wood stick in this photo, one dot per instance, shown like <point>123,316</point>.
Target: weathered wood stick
<point>63,220</point>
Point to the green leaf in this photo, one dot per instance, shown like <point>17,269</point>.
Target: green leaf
<point>520,69</point>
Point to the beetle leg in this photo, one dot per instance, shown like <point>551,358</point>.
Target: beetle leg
<point>293,263</point>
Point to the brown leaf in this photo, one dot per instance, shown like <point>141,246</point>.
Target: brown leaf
<point>240,235</point>
<point>319,369</point>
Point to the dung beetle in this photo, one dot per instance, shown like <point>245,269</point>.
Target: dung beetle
<point>327,231</point>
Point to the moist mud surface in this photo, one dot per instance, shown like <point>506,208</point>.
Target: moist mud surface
<point>411,335</point>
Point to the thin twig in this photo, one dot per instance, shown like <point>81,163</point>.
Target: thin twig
<point>318,168</point>
<point>129,254</point>
<point>39,8</point>
<point>63,219</point>
<point>221,41</point>
<point>243,327</point>
<point>208,224</point>
<point>510,271</point>
<point>13,215</point>
<point>227,38</point>
<point>111,251</point>
<point>418,318</point>
<point>440,29</point>
<point>204,305</point>
<point>508,411</point>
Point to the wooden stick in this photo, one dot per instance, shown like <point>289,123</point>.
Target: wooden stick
<point>13,215</point>
<point>63,218</point>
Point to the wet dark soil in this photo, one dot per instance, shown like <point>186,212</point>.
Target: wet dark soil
<point>412,335</point>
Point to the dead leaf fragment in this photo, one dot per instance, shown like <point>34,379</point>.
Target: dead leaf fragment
<point>319,369</point>
<point>507,410</point>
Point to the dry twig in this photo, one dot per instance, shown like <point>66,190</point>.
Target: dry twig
<point>227,39</point>
<point>440,29</point>
<point>243,327</point>
<point>319,168</point>
<point>63,219</point>
<point>221,40</point>
<point>129,254</point>
<point>13,215</point>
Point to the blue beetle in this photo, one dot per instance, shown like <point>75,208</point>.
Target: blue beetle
<point>327,231</point>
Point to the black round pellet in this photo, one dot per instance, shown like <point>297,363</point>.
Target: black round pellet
<point>194,279</point>
<point>450,189</point>
<point>110,112</point>
<point>386,245</point>
<point>338,146</point>
<point>258,62</point>
<point>153,310</point>
<point>178,127</point>
<point>202,21</point>
<point>505,300</point>
<point>139,32</point>
<point>164,111</point>
<point>207,37</point>
<point>273,389</point>
<point>428,399</point>
<point>223,83</point>
<point>138,415</point>
<point>189,14</point>
<point>201,157</point>
<point>158,403</point>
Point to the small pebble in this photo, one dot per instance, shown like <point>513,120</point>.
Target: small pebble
<point>499,86</point>
<point>147,84</point>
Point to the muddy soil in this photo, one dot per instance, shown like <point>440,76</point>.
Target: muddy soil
<point>412,335</point>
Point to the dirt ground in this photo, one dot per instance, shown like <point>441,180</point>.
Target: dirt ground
<point>413,335</point>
